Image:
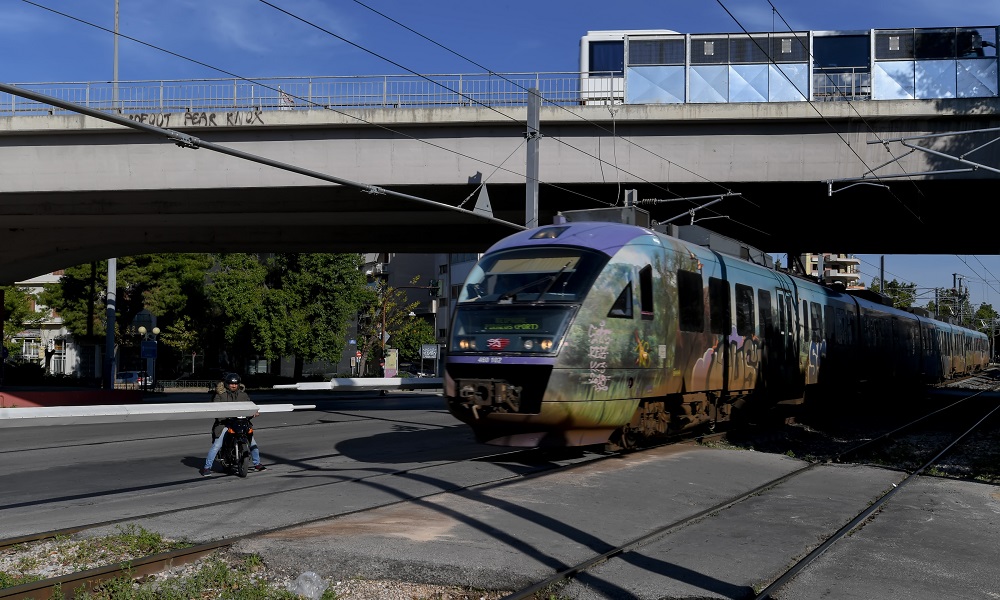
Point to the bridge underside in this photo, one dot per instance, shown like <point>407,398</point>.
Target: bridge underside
<point>41,232</point>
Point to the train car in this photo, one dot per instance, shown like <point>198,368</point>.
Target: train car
<point>589,332</point>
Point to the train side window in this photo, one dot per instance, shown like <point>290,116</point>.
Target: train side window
<point>622,308</point>
<point>646,292</point>
<point>829,321</point>
<point>744,310</point>
<point>764,313</point>
<point>790,331</point>
<point>782,328</point>
<point>718,305</point>
<point>805,320</point>
<point>816,321</point>
<point>691,298</point>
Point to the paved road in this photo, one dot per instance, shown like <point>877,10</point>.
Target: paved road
<point>936,539</point>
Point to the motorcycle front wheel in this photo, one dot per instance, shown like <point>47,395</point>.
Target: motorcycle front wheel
<point>243,467</point>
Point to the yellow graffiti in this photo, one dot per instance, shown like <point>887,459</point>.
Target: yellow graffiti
<point>642,349</point>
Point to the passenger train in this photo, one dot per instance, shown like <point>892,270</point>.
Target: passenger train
<point>584,333</point>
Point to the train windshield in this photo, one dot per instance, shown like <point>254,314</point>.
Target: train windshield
<point>546,274</point>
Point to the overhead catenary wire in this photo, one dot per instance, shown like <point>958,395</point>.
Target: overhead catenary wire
<point>813,105</point>
<point>573,113</point>
<point>438,83</point>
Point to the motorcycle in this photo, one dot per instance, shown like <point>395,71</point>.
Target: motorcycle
<point>235,452</point>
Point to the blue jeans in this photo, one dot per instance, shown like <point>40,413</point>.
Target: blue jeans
<point>210,459</point>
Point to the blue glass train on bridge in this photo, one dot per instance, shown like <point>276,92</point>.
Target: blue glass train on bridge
<point>660,66</point>
<point>584,333</point>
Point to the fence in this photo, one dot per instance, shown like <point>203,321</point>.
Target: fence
<point>299,93</point>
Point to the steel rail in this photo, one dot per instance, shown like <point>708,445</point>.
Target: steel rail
<point>794,570</point>
<point>530,592</point>
<point>73,584</point>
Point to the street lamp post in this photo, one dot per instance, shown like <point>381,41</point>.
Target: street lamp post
<point>148,351</point>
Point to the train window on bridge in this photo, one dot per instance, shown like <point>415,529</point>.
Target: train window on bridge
<point>646,292</point>
<point>718,305</point>
<point>691,301</point>
<point>744,310</point>
<point>622,308</point>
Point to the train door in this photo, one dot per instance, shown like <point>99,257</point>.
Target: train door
<point>650,354</point>
<point>783,351</point>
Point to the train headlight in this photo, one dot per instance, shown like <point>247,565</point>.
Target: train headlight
<point>467,344</point>
<point>529,344</point>
<point>546,345</point>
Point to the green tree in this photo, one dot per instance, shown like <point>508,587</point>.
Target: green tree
<point>951,303</point>
<point>18,314</point>
<point>169,286</point>
<point>986,318</point>
<point>385,317</point>
<point>410,339</point>
<point>903,294</point>
<point>288,304</point>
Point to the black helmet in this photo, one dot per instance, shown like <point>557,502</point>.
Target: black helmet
<point>231,378</point>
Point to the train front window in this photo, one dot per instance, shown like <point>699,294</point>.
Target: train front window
<point>607,59</point>
<point>547,274</point>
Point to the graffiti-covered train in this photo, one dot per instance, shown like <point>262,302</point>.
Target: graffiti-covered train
<point>587,332</point>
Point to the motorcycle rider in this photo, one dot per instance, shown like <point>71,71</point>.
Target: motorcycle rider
<point>229,390</point>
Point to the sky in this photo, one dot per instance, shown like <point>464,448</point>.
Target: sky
<point>273,38</point>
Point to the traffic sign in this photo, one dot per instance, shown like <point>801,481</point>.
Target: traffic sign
<point>147,349</point>
<point>358,354</point>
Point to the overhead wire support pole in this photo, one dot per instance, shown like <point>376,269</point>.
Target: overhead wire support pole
<point>188,141</point>
<point>531,171</point>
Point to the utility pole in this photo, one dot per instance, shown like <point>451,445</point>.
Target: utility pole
<point>109,336</point>
<point>114,88</point>
<point>531,176</point>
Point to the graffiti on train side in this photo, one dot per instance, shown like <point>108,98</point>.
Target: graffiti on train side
<point>201,119</point>
<point>744,362</point>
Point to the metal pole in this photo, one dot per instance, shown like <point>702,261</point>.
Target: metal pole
<point>531,177</point>
<point>109,336</point>
<point>114,93</point>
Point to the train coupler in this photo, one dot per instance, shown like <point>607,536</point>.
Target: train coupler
<point>489,395</point>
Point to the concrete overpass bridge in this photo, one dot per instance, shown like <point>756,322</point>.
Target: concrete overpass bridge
<point>74,188</point>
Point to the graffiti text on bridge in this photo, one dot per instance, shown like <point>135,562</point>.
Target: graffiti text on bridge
<point>201,119</point>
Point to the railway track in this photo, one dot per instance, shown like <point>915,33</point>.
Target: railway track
<point>545,587</point>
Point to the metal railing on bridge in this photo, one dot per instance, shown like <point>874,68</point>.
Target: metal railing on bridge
<point>300,93</point>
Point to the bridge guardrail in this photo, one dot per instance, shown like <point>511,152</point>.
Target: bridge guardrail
<point>299,93</point>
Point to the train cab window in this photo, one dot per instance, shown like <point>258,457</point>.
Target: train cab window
<point>646,292</point>
<point>622,308</point>
<point>744,310</point>
<point>691,298</point>
<point>764,316</point>
<point>782,321</point>
<point>816,321</point>
<point>718,305</point>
